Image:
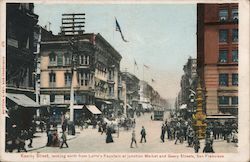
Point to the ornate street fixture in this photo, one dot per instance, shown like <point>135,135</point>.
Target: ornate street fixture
<point>199,117</point>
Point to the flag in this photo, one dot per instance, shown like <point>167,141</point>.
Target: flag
<point>118,28</point>
<point>146,66</point>
<point>135,64</point>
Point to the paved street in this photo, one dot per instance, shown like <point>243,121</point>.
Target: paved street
<point>90,140</point>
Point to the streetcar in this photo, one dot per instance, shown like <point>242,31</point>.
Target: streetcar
<point>158,114</point>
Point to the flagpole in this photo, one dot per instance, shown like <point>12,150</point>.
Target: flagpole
<point>143,72</point>
<point>134,67</point>
<point>114,30</point>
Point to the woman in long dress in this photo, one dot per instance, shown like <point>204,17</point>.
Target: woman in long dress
<point>109,137</point>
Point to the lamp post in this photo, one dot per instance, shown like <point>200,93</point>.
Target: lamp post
<point>199,117</point>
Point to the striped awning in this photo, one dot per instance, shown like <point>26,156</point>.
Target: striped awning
<point>93,109</point>
<point>22,100</point>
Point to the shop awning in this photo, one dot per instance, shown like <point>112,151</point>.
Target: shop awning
<point>220,117</point>
<point>22,100</point>
<point>183,106</point>
<point>107,102</point>
<point>93,109</point>
<point>129,107</point>
<point>78,107</point>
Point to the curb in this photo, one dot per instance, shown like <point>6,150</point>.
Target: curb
<point>37,148</point>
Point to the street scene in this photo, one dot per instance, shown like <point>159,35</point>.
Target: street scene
<point>103,78</point>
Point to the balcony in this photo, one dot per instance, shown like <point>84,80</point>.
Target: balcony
<point>86,88</point>
<point>111,80</point>
<point>82,66</point>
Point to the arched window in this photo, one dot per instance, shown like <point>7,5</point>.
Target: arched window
<point>52,59</point>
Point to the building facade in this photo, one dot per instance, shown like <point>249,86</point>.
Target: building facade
<point>20,64</point>
<point>217,56</point>
<point>96,72</point>
<point>186,99</point>
<point>132,91</point>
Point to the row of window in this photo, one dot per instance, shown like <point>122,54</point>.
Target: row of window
<point>60,59</point>
<point>224,14</point>
<point>224,34</point>
<point>228,100</point>
<point>83,78</point>
<point>223,79</point>
<point>224,56</point>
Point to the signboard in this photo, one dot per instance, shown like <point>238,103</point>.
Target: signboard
<point>44,99</point>
<point>59,99</point>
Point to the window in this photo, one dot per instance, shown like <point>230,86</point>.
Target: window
<point>111,91</point>
<point>67,97</point>
<point>223,79</point>
<point>223,56</point>
<point>84,79</point>
<point>52,58</point>
<point>67,59</point>
<point>84,60</point>
<point>223,34</point>
<point>52,79</point>
<point>223,100</point>
<point>235,14</point>
<point>235,56</point>
<point>223,14</point>
<point>52,98</point>
<point>235,79</point>
<point>67,79</point>
<point>235,100</point>
<point>59,59</point>
<point>235,35</point>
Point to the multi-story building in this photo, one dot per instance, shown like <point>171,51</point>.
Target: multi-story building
<point>132,91</point>
<point>96,69</point>
<point>150,98</point>
<point>188,86</point>
<point>20,64</point>
<point>217,56</point>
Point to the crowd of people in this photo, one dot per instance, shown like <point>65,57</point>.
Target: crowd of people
<point>175,129</point>
<point>181,130</point>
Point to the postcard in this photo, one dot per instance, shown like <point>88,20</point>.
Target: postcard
<point>124,80</point>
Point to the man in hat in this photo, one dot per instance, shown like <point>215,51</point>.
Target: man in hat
<point>143,134</point>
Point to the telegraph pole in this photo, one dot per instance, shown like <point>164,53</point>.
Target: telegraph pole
<point>72,25</point>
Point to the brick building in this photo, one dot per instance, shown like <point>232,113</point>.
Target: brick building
<point>217,56</point>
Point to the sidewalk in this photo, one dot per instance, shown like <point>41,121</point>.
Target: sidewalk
<point>40,139</point>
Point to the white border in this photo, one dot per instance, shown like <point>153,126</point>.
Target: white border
<point>244,52</point>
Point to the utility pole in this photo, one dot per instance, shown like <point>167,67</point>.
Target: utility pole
<point>72,25</point>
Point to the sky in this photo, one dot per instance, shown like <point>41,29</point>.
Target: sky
<point>160,36</point>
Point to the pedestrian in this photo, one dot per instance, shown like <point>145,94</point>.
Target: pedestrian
<point>196,145</point>
<point>163,131</point>
<point>104,127</point>
<point>109,137</point>
<point>151,117</point>
<point>143,134</point>
<point>64,125</point>
<point>208,147</point>
<point>178,136</point>
<point>64,140</point>
<point>30,137</point>
<point>21,141</point>
<point>133,139</point>
<point>190,137</point>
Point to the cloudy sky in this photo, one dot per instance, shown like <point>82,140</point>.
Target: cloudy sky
<point>161,36</point>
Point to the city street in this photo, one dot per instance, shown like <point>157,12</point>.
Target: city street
<point>90,140</point>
